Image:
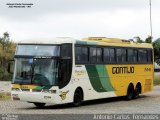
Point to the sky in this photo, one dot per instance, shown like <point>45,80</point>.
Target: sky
<point>124,19</point>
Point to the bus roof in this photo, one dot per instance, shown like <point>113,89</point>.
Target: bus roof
<point>113,42</point>
<point>58,40</point>
<point>103,41</point>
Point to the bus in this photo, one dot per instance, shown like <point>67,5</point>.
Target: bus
<point>66,70</point>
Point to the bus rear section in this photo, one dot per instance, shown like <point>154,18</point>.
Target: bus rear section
<point>114,67</point>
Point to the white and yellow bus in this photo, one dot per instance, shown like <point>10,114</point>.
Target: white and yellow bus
<point>66,70</point>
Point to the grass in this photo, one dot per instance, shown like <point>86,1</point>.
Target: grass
<point>5,96</point>
<point>157,80</point>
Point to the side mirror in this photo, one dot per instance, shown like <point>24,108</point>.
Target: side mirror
<point>11,66</point>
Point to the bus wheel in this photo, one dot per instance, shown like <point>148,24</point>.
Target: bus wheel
<point>40,105</point>
<point>130,92</point>
<point>78,97</point>
<point>137,90</point>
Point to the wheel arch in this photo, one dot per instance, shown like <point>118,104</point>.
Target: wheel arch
<point>131,84</point>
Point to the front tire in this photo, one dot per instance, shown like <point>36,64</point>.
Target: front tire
<point>40,105</point>
<point>78,97</point>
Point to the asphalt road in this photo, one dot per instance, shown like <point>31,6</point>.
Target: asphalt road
<point>147,103</point>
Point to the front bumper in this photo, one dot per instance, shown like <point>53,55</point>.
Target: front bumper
<point>39,97</point>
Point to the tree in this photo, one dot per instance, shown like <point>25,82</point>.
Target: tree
<point>139,40</point>
<point>5,40</point>
<point>148,39</point>
<point>156,46</point>
<point>7,49</point>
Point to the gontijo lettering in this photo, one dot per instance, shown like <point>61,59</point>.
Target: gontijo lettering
<point>122,70</point>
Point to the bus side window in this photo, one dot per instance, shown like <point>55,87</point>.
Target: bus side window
<point>99,55</point>
<point>135,56</point>
<point>140,52</point>
<point>84,54</point>
<point>119,55</point>
<point>149,56</point>
<point>142,55</point>
<point>130,55</point>
<point>112,55</point>
<point>78,54</point>
<point>145,57</point>
<point>106,55</point>
<point>124,55</point>
<point>93,55</point>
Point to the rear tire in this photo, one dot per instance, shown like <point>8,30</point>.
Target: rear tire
<point>40,105</point>
<point>130,92</point>
<point>137,91</point>
<point>78,98</point>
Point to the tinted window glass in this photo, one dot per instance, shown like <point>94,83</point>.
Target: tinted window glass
<point>142,55</point>
<point>112,55</point>
<point>130,55</point>
<point>149,55</point>
<point>93,55</point>
<point>106,55</point>
<point>119,55</point>
<point>145,55</point>
<point>78,53</point>
<point>99,55</point>
<point>84,55</point>
<point>135,55</point>
<point>66,51</point>
<point>124,55</point>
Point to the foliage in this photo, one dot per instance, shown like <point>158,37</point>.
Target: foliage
<point>156,46</point>
<point>148,39</point>
<point>139,40</point>
<point>7,49</point>
<point>5,96</point>
<point>157,80</point>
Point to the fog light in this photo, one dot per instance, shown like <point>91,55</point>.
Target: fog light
<point>15,97</point>
<point>53,91</point>
<point>48,91</point>
<point>15,89</point>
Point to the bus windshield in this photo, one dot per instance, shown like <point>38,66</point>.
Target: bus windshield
<point>38,71</point>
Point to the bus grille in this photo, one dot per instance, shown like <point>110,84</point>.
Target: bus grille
<point>25,89</point>
<point>34,90</point>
